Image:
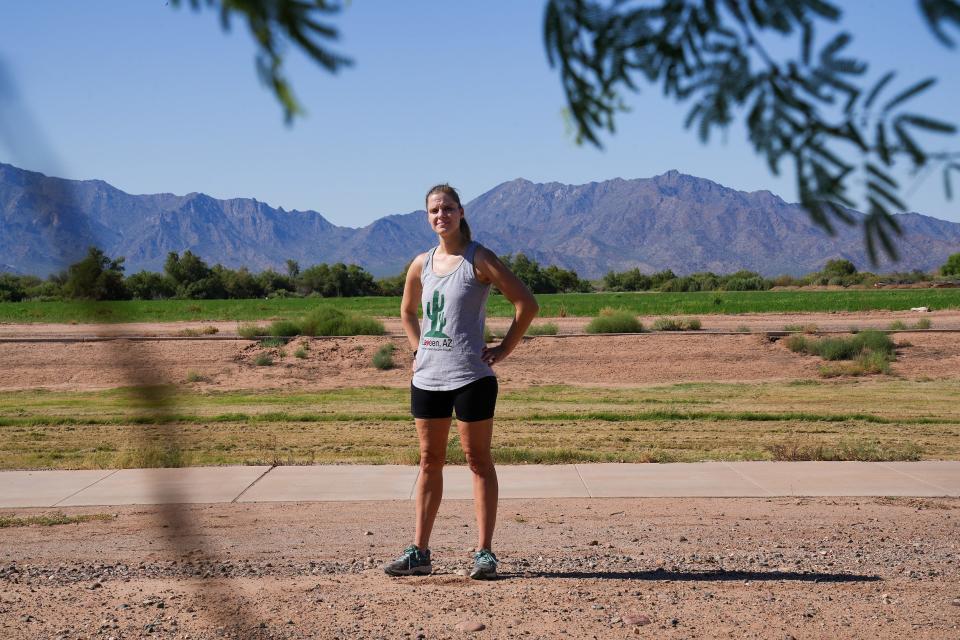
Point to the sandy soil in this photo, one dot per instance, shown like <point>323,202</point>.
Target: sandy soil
<point>693,568</point>
<point>346,362</point>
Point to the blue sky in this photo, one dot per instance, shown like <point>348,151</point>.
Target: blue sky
<point>155,99</point>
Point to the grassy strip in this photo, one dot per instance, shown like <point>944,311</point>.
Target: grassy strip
<point>891,419</point>
<point>562,416</point>
<point>50,519</point>
<point>551,305</point>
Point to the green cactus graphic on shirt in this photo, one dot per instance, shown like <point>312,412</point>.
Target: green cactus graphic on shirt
<point>435,314</point>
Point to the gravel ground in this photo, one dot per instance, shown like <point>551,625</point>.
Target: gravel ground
<point>601,568</point>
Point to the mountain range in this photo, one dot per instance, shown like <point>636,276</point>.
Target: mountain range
<point>671,221</point>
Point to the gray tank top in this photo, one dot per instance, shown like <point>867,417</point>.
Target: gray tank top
<point>451,332</point>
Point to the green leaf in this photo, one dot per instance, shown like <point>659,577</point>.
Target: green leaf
<point>877,88</point>
<point>929,124</point>
<point>920,87</point>
<point>911,147</point>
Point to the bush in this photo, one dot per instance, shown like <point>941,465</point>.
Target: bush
<point>676,324</point>
<point>838,348</point>
<point>871,352</point>
<point>333,322</point>
<point>190,332</point>
<point>300,353</point>
<point>273,343</point>
<point>383,358</point>
<point>614,321</point>
<point>193,376</point>
<point>251,331</point>
<point>803,328</point>
<point>952,266</point>
<point>923,323</point>
<point>284,328</point>
<point>897,325</point>
<point>545,329</point>
<point>263,360</point>
<point>797,344</point>
<point>867,363</point>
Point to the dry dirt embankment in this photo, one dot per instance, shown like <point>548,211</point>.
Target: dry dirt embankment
<point>346,362</point>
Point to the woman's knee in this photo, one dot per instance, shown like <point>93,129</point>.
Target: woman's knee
<point>480,464</point>
<point>432,460</point>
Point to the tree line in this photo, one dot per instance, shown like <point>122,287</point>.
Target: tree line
<point>187,276</point>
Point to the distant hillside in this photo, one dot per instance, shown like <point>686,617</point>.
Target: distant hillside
<point>673,221</point>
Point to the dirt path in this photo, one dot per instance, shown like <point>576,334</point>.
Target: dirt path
<point>346,362</point>
<point>687,568</point>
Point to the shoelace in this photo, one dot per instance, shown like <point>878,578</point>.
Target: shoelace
<point>485,556</point>
<point>412,553</point>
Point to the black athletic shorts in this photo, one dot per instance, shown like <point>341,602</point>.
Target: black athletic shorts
<point>473,402</point>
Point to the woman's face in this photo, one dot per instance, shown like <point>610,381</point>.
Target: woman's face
<point>444,214</point>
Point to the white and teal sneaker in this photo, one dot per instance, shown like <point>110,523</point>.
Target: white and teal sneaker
<point>484,565</point>
<point>412,562</point>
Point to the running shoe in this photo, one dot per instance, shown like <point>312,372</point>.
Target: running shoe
<point>484,565</point>
<point>412,562</point>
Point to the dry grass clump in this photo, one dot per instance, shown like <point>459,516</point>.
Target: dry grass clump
<point>676,324</point>
<point>900,325</point>
<point>252,331</point>
<point>208,330</point>
<point>802,328</point>
<point>857,450</point>
<point>614,321</point>
<point>50,519</point>
<point>543,329</point>
<point>383,358</point>
<point>870,352</point>
<point>263,360</point>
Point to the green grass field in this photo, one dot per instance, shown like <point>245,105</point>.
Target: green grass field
<point>551,305</point>
<point>855,420</point>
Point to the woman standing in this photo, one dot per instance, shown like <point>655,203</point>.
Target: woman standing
<point>452,371</point>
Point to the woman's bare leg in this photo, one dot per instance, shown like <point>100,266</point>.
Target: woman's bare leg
<point>475,438</point>
<point>433,453</point>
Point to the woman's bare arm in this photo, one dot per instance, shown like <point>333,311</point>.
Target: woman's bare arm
<point>412,289</point>
<point>492,270</point>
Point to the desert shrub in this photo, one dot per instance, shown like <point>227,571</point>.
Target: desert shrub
<point>875,341</point>
<point>797,344</point>
<point>251,331</point>
<point>273,343</point>
<point>871,352</point>
<point>544,329</point>
<point>867,363</point>
<point>300,353</point>
<point>676,324</point>
<point>858,450</point>
<point>333,322</point>
<point>284,328</point>
<point>802,328</point>
<point>742,329</point>
<point>383,358</point>
<point>614,321</point>
<point>193,376</point>
<point>838,348</point>
<point>897,325</point>
<point>923,323</point>
<point>153,456</point>
<point>190,332</point>
<point>263,360</point>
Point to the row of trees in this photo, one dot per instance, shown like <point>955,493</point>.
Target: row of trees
<point>100,277</point>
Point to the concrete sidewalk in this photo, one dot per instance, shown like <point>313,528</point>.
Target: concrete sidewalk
<point>387,482</point>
